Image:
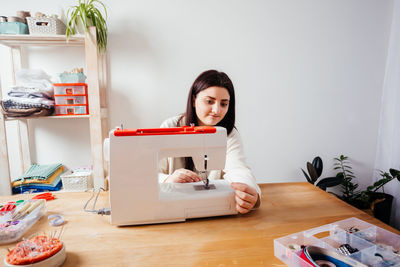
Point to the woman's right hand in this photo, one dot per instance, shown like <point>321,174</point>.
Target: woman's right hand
<point>183,176</point>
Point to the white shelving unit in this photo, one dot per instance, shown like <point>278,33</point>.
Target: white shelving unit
<point>98,111</point>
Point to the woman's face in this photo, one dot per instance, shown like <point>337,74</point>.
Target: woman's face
<point>211,105</point>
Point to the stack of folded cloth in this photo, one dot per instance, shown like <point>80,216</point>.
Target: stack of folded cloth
<point>33,96</point>
<point>39,178</point>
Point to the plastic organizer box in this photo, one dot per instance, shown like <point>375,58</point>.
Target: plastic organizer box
<point>71,99</point>
<point>376,246</point>
<point>11,231</point>
<point>45,26</point>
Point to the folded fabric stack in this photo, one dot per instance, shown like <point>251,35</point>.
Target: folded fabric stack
<point>33,96</point>
<point>39,178</point>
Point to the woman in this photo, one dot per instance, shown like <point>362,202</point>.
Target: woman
<point>211,102</point>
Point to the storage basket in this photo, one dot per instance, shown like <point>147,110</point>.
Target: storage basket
<point>72,77</point>
<point>77,181</point>
<point>45,26</point>
<point>13,28</point>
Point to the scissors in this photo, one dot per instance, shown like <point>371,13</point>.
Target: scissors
<point>47,196</point>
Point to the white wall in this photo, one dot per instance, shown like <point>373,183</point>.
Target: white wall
<point>308,75</point>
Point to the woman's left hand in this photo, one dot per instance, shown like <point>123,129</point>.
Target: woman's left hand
<point>246,197</point>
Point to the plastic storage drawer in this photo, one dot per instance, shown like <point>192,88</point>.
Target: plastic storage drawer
<point>71,100</point>
<point>72,110</point>
<point>70,89</point>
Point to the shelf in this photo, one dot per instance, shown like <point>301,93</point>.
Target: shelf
<point>49,117</point>
<point>41,40</point>
<point>98,119</point>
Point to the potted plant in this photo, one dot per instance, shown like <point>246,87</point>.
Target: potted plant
<point>314,172</point>
<point>87,13</point>
<point>348,187</point>
<point>379,202</point>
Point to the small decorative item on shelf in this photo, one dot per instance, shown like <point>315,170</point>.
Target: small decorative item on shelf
<point>45,25</point>
<point>74,76</point>
<point>71,99</point>
<point>23,14</point>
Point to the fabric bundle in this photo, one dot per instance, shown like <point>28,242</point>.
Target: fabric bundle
<point>39,178</point>
<point>33,96</point>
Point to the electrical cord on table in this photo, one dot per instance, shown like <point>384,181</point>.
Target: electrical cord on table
<point>103,211</point>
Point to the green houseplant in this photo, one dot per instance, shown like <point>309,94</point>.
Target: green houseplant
<point>87,13</point>
<point>345,172</point>
<point>379,202</point>
<point>371,199</point>
<point>314,170</point>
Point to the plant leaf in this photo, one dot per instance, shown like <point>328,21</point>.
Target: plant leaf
<point>395,173</point>
<point>307,177</point>
<point>312,172</point>
<point>329,182</point>
<point>318,165</point>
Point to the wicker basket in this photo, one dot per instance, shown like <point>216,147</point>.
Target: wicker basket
<point>77,181</point>
<point>45,26</point>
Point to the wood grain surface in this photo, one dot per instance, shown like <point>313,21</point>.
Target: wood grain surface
<point>239,240</point>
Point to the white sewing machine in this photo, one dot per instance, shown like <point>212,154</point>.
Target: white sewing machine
<point>136,196</point>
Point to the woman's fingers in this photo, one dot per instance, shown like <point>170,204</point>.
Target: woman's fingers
<point>185,176</point>
<point>243,204</point>
<point>241,210</point>
<point>244,188</point>
<point>245,197</point>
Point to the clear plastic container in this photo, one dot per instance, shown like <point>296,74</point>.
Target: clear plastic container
<point>352,225</point>
<point>374,256</point>
<point>381,238</point>
<point>376,246</point>
<point>336,240</point>
<point>72,110</point>
<point>286,247</point>
<point>71,100</point>
<point>17,228</point>
<point>64,89</point>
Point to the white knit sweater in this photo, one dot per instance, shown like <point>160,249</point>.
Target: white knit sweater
<point>236,169</point>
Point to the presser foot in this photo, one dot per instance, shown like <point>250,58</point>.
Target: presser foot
<point>206,186</point>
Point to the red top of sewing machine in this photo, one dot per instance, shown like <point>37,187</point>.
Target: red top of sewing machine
<point>166,131</point>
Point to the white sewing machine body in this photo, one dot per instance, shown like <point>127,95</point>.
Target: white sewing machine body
<point>136,196</point>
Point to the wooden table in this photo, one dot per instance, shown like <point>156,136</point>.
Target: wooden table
<point>242,240</point>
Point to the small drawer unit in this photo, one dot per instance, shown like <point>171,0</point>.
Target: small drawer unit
<point>66,89</point>
<point>71,99</point>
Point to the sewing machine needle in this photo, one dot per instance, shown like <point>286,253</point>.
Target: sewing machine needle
<point>206,181</point>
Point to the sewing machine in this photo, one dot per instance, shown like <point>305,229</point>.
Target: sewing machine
<point>137,197</point>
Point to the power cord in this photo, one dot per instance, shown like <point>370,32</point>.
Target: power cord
<point>103,211</point>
